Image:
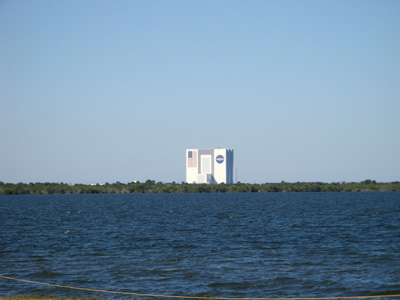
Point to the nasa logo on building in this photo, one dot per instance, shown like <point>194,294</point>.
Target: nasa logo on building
<point>220,159</point>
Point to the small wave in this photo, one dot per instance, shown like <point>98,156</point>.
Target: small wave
<point>47,274</point>
<point>387,292</point>
<point>9,251</point>
<point>232,285</point>
<point>39,259</point>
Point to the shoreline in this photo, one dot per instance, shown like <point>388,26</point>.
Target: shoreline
<point>150,186</point>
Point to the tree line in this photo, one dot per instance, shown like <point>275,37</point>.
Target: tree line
<point>150,186</point>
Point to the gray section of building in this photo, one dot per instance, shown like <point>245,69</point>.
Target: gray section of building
<point>205,152</point>
<point>229,166</point>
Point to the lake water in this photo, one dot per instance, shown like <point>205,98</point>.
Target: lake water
<point>222,245</point>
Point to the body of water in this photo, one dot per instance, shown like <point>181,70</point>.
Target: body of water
<point>222,245</point>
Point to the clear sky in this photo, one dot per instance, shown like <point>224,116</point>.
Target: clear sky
<point>106,91</point>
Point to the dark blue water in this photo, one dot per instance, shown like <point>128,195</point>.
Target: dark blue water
<point>224,245</point>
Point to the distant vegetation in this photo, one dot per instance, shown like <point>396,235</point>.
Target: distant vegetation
<point>150,186</point>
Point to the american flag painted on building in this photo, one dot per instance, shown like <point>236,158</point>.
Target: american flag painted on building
<point>192,159</point>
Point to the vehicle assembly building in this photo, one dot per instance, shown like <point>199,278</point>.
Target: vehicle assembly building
<point>209,166</point>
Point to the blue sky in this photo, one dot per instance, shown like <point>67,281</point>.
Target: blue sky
<point>106,91</point>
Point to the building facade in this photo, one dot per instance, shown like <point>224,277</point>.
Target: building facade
<point>210,166</point>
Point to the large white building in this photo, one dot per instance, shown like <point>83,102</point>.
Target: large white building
<point>209,165</point>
